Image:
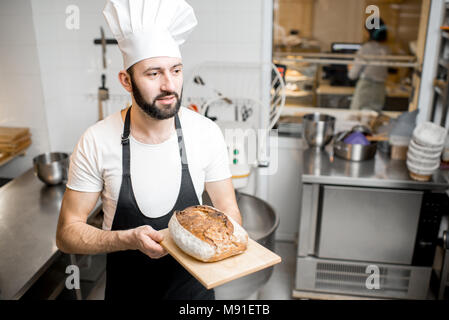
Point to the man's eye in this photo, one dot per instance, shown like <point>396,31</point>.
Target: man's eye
<point>177,71</point>
<point>153,74</point>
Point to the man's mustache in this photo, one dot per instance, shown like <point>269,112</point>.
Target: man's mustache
<point>166,94</point>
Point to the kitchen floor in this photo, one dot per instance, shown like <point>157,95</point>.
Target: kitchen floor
<point>279,287</point>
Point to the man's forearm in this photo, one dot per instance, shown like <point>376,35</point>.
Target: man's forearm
<point>234,213</point>
<point>81,238</point>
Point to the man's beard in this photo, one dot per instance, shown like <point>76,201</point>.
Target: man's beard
<point>165,112</point>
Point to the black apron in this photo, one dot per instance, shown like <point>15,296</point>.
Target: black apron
<point>132,274</point>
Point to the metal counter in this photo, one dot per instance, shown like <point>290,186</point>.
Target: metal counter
<point>321,166</point>
<point>29,212</point>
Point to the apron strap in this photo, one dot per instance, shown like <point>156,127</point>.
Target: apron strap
<point>126,154</point>
<point>127,128</point>
<point>182,147</point>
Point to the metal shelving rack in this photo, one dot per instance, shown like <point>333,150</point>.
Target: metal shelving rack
<point>295,60</point>
<point>440,104</point>
<point>302,97</point>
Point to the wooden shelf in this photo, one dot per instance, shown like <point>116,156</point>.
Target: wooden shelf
<point>325,89</point>
<point>299,94</point>
<point>298,78</point>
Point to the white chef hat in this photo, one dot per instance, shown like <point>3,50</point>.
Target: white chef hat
<point>149,28</point>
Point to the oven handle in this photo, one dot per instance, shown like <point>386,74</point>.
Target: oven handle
<point>313,219</point>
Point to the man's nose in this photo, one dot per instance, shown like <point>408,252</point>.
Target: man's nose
<point>167,83</point>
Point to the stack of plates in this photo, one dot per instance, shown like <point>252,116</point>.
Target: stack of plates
<point>424,152</point>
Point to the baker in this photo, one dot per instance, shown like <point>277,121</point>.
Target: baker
<point>145,161</point>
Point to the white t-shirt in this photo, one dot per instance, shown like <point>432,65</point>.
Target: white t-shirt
<point>96,163</point>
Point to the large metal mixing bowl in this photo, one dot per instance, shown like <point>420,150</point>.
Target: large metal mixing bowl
<point>261,222</point>
<point>51,168</point>
<point>318,129</point>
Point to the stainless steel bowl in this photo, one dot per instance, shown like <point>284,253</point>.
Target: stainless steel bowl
<point>353,152</point>
<point>51,168</point>
<point>318,129</point>
<point>261,222</point>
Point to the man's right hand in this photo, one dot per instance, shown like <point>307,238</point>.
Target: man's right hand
<point>146,239</point>
<point>74,235</point>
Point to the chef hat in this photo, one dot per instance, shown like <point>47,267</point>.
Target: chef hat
<point>149,28</point>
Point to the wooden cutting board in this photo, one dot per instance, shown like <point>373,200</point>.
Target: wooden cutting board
<point>212,274</point>
<point>8,134</point>
<point>15,145</point>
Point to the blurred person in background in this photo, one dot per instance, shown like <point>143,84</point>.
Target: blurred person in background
<point>370,89</point>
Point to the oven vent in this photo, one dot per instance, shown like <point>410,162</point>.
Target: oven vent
<point>361,269</point>
<point>352,279</point>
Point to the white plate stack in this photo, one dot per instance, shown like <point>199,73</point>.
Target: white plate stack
<point>424,152</point>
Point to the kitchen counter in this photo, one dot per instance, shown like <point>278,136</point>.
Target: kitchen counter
<point>29,212</point>
<point>324,167</point>
<point>321,166</point>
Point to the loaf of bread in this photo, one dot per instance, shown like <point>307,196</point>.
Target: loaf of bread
<point>207,234</point>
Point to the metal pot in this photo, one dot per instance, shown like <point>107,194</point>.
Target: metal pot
<point>353,152</point>
<point>318,129</point>
<point>261,222</point>
<point>51,168</point>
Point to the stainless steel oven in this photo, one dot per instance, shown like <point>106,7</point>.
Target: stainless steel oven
<point>344,230</point>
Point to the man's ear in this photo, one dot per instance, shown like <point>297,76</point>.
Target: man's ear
<point>125,79</point>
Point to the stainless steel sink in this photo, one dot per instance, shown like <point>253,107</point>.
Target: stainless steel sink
<point>261,222</point>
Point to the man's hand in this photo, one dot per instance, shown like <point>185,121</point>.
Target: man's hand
<point>75,236</point>
<point>146,239</point>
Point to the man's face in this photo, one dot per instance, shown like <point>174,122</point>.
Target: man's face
<point>157,86</point>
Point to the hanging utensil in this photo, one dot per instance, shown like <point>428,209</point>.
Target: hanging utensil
<point>103,95</point>
<point>103,47</point>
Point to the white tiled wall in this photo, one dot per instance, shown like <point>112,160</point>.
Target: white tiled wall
<point>21,95</point>
<point>227,31</point>
<point>62,68</point>
<point>71,68</point>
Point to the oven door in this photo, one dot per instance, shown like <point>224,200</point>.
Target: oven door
<point>361,224</point>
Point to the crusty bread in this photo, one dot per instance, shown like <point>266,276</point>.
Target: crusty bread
<point>207,234</point>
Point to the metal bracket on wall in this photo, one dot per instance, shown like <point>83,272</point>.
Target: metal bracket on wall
<point>107,41</point>
<point>103,42</point>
